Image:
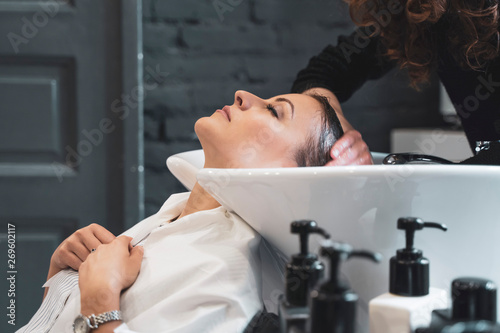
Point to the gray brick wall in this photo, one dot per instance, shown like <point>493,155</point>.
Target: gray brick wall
<point>211,48</point>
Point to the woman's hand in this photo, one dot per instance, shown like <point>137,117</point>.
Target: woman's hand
<point>106,272</point>
<point>350,149</point>
<point>110,269</point>
<point>73,251</point>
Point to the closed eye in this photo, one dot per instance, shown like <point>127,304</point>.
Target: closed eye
<point>272,109</point>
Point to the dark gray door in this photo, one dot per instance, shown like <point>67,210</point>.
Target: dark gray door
<point>70,145</point>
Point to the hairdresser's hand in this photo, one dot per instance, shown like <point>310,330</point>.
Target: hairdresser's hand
<point>74,250</point>
<point>350,149</point>
<point>110,269</point>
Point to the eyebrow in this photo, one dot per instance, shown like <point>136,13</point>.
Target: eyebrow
<point>282,99</point>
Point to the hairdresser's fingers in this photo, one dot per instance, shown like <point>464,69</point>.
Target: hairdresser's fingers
<point>354,155</point>
<point>358,154</point>
<point>364,158</point>
<point>350,149</point>
<point>345,142</point>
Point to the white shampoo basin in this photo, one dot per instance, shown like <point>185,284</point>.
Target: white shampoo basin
<point>361,204</point>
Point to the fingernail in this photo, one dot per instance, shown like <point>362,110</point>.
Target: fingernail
<point>335,153</point>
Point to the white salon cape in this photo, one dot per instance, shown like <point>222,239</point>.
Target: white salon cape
<point>200,273</point>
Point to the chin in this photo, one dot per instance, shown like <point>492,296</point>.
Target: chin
<point>199,124</point>
<point>203,129</point>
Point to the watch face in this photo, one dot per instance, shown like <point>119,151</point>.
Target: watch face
<point>80,325</point>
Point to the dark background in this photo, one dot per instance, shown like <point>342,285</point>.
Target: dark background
<point>258,46</point>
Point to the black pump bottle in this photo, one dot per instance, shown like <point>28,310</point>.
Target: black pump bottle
<point>333,303</point>
<point>474,308</point>
<point>410,301</point>
<point>302,273</point>
<point>409,270</point>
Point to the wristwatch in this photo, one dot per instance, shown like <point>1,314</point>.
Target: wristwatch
<point>84,324</point>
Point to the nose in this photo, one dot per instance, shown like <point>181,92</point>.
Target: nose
<point>245,100</point>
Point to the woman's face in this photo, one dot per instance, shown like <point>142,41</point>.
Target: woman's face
<point>257,133</point>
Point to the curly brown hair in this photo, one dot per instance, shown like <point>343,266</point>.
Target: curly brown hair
<point>412,33</point>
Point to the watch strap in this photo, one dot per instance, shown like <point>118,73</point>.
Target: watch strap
<point>102,318</point>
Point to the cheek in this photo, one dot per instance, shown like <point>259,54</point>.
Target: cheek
<point>255,132</point>
<point>270,137</point>
<point>262,147</point>
<point>266,136</point>
<point>277,146</point>
<point>268,131</point>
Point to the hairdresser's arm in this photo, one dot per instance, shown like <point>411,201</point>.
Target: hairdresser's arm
<point>344,68</point>
<point>350,149</point>
<point>102,277</point>
<point>338,72</point>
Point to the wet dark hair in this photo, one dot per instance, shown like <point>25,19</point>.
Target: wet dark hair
<point>316,150</point>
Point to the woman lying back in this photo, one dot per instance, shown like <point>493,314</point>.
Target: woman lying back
<point>193,266</point>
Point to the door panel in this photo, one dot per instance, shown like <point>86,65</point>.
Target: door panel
<point>37,97</point>
<point>30,6</point>
<point>65,152</point>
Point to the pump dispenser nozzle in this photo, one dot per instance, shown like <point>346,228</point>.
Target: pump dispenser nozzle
<point>304,270</point>
<point>411,224</point>
<point>304,228</point>
<point>338,253</point>
<point>333,305</point>
<point>409,270</point>
<point>302,274</point>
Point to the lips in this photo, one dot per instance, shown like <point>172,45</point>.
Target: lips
<point>227,110</point>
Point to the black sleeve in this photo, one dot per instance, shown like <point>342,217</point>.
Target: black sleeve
<point>344,68</point>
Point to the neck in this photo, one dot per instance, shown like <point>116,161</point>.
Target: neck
<point>199,200</point>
